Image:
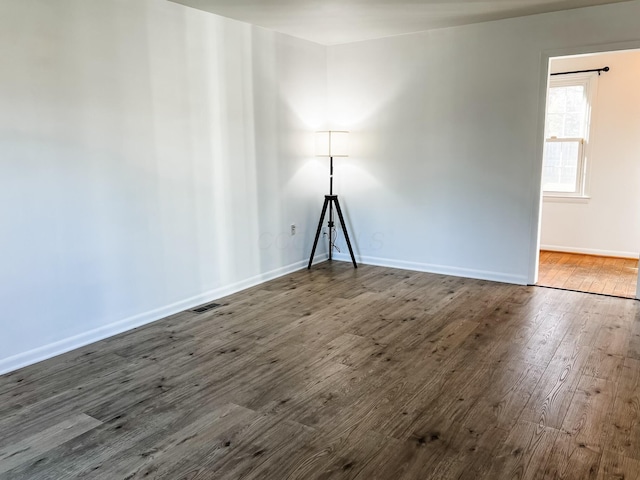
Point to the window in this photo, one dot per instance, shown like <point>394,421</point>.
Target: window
<point>566,135</point>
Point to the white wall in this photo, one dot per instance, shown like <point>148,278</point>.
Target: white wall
<point>152,157</point>
<point>609,222</point>
<point>447,132</point>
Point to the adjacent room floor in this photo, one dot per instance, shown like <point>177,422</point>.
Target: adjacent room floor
<point>372,373</point>
<point>589,273</point>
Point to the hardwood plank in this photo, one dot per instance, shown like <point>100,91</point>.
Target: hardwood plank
<point>205,450</point>
<point>552,396</point>
<point>618,467</point>
<point>523,454</point>
<point>511,389</point>
<point>14,455</point>
<point>134,383</point>
<point>624,437</point>
<point>408,459</point>
<point>579,445</point>
<point>569,460</point>
<point>603,365</point>
<point>613,337</point>
<point>120,443</point>
<point>634,338</point>
<point>340,453</point>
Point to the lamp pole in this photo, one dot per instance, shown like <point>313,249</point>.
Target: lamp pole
<point>331,209</point>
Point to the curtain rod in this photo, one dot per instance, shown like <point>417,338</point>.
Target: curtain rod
<point>599,70</point>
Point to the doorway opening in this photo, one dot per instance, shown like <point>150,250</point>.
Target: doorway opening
<point>590,217</point>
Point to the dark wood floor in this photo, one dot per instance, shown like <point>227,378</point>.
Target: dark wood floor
<point>589,273</point>
<point>339,373</point>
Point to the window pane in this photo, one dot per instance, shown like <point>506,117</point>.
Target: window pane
<point>573,125</point>
<point>560,168</point>
<point>555,124</point>
<point>557,100</point>
<point>566,111</point>
<point>575,98</point>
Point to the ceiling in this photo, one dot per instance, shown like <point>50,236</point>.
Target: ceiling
<point>331,22</point>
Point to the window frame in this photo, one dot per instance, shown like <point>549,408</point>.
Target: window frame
<point>589,82</point>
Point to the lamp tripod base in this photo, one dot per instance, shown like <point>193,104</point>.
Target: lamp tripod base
<point>329,202</point>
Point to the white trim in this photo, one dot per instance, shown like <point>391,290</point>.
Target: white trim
<point>433,268</point>
<point>590,251</point>
<point>566,198</point>
<point>45,352</point>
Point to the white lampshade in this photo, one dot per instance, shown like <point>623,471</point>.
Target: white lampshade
<point>332,144</point>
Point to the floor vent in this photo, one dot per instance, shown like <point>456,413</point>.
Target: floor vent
<point>205,308</point>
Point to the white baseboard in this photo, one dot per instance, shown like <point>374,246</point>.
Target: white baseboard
<point>440,269</point>
<point>590,251</point>
<point>45,352</point>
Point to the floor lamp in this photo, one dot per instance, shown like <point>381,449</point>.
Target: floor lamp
<point>331,144</point>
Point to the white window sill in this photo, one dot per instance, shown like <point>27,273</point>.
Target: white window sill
<point>566,198</point>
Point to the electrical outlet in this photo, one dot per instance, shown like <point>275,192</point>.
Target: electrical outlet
<point>293,229</point>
